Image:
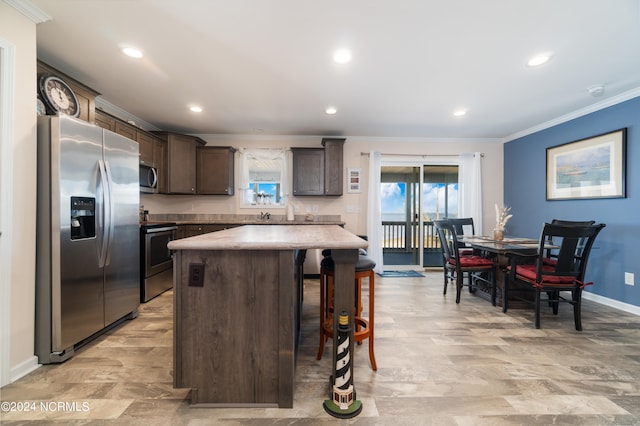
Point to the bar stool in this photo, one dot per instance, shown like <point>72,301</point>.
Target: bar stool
<point>363,327</point>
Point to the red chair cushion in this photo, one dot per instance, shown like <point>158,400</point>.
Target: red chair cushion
<point>471,261</point>
<point>465,252</point>
<point>528,272</point>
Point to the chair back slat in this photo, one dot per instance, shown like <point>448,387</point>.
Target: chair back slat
<point>549,254</point>
<point>448,240</point>
<point>460,224</point>
<point>574,242</point>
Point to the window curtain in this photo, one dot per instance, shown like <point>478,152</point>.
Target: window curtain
<point>252,157</point>
<point>374,212</point>
<point>470,188</point>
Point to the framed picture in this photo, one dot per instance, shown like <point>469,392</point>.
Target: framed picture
<point>588,168</point>
<point>354,180</point>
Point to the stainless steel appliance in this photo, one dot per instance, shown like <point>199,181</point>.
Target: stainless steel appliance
<point>87,256</point>
<point>156,262</point>
<point>148,176</point>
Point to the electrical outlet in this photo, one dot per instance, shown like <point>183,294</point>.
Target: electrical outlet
<point>629,278</point>
<point>196,275</point>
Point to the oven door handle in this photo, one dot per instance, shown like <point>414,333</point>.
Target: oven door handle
<point>156,230</point>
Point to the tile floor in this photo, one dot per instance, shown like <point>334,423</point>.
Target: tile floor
<point>438,364</point>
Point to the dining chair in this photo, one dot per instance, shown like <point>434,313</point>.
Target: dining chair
<point>459,225</point>
<point>476,269</point>
<point>570,246</point>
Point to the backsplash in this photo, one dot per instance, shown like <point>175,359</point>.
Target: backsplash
<point>234,218</point>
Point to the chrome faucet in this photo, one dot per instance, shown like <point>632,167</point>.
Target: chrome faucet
<point>265,215</point>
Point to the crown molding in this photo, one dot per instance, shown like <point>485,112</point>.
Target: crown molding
<point>29,10</point>
<point>115,110</point>
<point>614,100</point>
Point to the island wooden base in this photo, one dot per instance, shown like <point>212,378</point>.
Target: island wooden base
<point>238,295</point>
<point>234,337</point>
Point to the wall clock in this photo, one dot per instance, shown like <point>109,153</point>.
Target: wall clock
<point>58,96</point>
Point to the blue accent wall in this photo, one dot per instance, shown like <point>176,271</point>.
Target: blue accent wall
<point>617,248</point>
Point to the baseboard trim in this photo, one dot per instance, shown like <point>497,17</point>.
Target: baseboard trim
<point>632,309</point>
<point>24,368</point>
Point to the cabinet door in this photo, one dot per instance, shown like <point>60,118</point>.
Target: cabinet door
<point>333,166</point>
<point>145,148</point>
<point>214,169</point>
<point>193,230</point>
<point>160,158</point>
<point>104,121</point>
<point>181,232</point>
<point>181,158</point>
<point>126,130</point>
<point>308,171</point>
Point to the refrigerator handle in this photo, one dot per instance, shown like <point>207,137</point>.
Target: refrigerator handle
<point>110,213</point>
<point>105,213</point>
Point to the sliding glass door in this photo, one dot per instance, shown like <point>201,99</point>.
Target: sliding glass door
<point>400,208</point>
<point>413,194</point>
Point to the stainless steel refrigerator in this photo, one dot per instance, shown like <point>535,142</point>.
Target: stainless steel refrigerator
<point>87,255</point>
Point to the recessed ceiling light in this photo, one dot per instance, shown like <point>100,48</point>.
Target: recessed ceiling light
<point>342,56</point>
<point>132,52</point>
<point>195,108</point>
<point>330,110</point>
<point>540,59</point>
<point>460,112</point>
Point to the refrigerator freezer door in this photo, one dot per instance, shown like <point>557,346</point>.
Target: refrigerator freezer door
<point>122,269</point>
<point>78,306</point>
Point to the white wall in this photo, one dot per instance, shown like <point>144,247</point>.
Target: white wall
<point>356,222</point>
<point>20,32</point>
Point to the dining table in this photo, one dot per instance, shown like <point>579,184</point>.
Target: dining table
<point>500,252</point>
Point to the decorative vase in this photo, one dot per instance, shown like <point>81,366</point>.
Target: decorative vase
<point>498,234</point>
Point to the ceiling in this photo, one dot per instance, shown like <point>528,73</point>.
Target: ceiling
<point>265,67</point>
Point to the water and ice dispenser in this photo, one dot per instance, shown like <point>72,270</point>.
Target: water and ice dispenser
<point>83,217</point>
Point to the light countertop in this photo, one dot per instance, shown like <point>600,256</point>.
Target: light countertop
<point>275,237</point>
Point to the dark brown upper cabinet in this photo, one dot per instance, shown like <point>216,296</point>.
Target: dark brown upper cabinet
<point>215,170</point>
<point>318,171</point>
<point>181,161</point>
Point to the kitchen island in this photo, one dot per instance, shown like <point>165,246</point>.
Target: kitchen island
<point>236,309</point>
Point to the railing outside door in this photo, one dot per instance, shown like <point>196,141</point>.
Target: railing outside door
<point>397,241</point>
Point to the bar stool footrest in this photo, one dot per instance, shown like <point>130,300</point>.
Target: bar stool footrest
<point>363,331</point>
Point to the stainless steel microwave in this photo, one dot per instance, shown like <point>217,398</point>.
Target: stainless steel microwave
<point>148,179</point>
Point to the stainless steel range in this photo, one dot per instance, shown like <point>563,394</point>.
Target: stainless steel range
<point>156,261</point>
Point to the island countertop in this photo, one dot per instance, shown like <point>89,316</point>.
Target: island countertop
<point>273,237</point>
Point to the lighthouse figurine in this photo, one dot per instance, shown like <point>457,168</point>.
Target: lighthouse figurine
<point>343,403</point>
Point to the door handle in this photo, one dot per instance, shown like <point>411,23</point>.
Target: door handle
<point>111,213</point>
<point>153,182</point>
<point>102,256</point>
